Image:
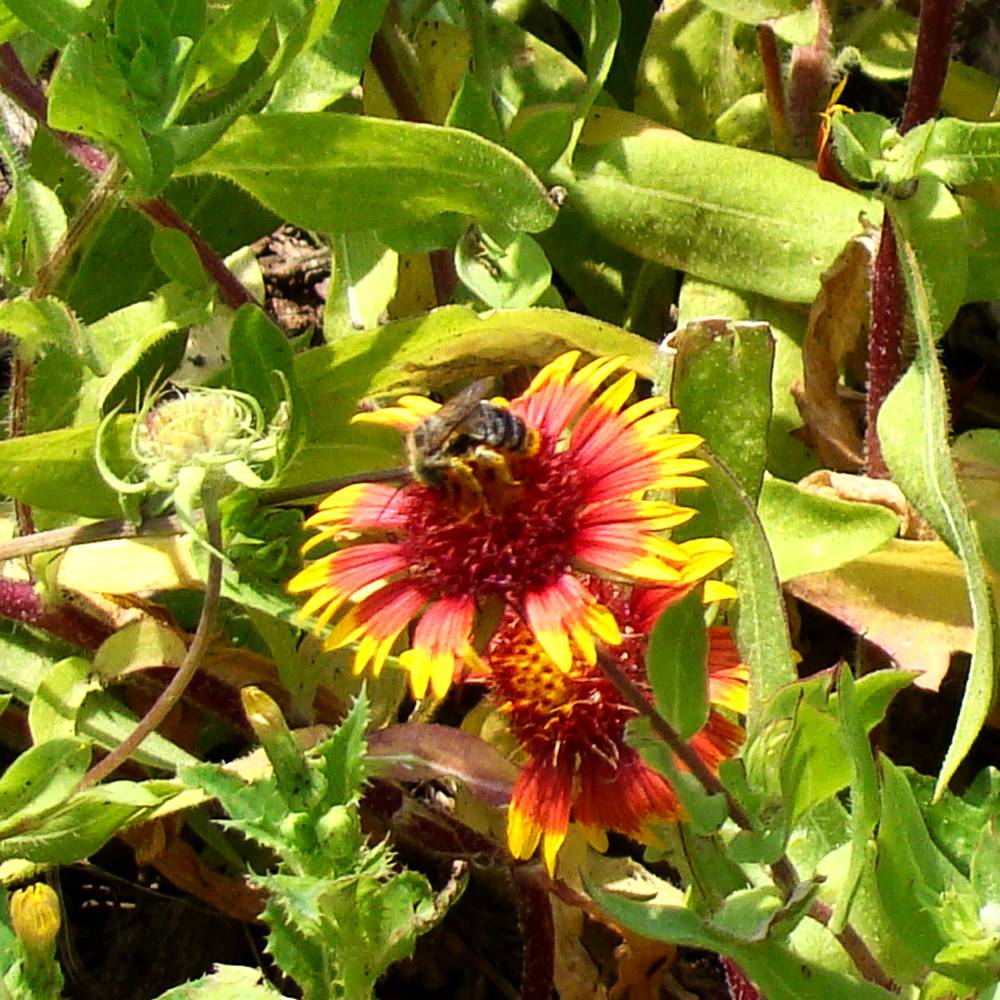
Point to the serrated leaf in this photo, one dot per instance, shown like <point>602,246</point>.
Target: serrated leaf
<point>342,173</point>
<point>734,216</point>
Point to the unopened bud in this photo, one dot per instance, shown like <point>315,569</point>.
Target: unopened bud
<point>34,914</point>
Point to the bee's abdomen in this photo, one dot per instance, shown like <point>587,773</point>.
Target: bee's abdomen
<point>502,429</point>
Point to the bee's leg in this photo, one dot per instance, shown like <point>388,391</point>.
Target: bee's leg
<point>466,477</point>
<point>497,462</point>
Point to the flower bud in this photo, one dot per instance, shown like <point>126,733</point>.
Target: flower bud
<point>35,916</point>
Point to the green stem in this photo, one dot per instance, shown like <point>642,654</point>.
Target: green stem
<point>192,659</point>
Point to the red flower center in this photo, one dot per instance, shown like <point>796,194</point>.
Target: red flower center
<point>509,540</point>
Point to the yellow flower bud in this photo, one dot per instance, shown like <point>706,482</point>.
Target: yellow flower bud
<point>34,913</point>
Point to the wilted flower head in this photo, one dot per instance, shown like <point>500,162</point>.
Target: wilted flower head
<point>515,537</point>
<point>571,724</point>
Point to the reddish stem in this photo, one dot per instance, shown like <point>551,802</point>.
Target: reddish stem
<point>885,356</point>
<point>774,89</point>
<point>885,359</point>
<point>19,601</point>
<point>534,912</point>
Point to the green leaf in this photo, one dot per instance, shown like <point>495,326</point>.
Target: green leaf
<point>722,384</point>
<point>321,74</point>
<point>504,277</point>
<point>776,971</point>
<point>734,216</point>
<point>982,225</point>
<point>864,795</point>
<point>811,534</point>
<point>176,255</point>
<point>53,710</point>
<point>694,49</point>
<point>473,111</point>
<point>88,95</point>
<point>57,21</point>
<point>959,152</point>
<point>39,779</point>
<point>761,628</point>
<point>911,873</point>
<point>258,350</point>
<point>755,11</point>
<point>676,665</point>
<point>857,145</point>
<point>35,224</point>
<point>343,173</point>
<point>227,982</point>
<point>40,324</point>
<point>363,282</point>
<point>912,427</point>
<point>934,231</point>
<point>55,470</point>
<point>427,353</point>
<point>597,24</point>
<point>228,42</point>
<point>984,867</point>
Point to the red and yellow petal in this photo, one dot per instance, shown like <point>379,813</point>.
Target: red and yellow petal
<point>440,641</point>
<point>727,674</point>
<point>539,809</point>
<point>376,621</point>
<point>557,393</point>
<point>565,610</point>
<point>359,507</point>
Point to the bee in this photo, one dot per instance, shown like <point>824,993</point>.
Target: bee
<point>467,430</point>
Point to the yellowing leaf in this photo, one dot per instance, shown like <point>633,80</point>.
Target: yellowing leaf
<point>125,565</point>
<point>909,598</point>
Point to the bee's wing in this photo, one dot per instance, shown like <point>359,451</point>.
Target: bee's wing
<point>434,431</point>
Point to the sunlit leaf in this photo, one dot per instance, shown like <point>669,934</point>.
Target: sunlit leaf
<point>343,173</point>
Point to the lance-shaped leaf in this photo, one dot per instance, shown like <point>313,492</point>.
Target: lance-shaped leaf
<point>341,173</point>
<point>913,430</point>
<point>734,216</point>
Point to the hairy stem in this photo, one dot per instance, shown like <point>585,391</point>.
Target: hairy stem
<point>175,689</point>
<point>885,359</point>
<point>774,89</point>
